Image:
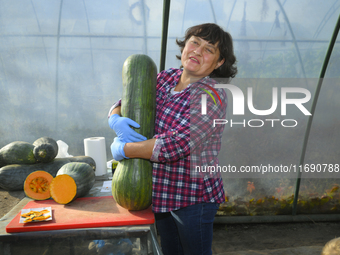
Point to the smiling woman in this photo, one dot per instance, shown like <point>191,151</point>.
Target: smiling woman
<point>200,58</point>
<point>184,205</point>
<point>215,42</point>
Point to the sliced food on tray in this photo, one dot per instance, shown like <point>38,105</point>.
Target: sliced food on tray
<point>35,214</point>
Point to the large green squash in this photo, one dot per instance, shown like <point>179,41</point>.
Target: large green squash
<point>45,149</point>
<point>12,177</point>
<point>17,152</point>
<point>73,180</point>
<point>132,179</point>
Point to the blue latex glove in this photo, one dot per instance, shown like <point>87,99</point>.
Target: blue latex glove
<point>100,243</point>
<point>122,127</point>
<point>117,149</point>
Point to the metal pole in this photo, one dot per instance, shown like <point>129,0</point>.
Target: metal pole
<point>57,71</point>
<point>315,99</point>
<point>165,25</point>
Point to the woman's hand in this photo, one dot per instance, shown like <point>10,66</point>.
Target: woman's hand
<point>117,149</point>
<point>121,150</point>
<point>122,127</point>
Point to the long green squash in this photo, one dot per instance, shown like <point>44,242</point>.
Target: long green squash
<point>132,179</point>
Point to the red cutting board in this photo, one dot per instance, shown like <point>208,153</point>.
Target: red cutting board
<point>87,212</point>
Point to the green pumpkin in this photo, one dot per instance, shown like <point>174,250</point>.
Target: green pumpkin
<point>17,152</point>
<point>45,149</point>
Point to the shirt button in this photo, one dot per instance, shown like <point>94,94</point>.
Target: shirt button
<point>173,133</point>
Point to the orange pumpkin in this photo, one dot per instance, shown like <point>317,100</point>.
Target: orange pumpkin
<point>73,180</point>
<point>37,185</point>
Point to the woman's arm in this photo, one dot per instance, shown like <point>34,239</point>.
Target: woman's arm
<point>140,149</point>
<point>116,111</point>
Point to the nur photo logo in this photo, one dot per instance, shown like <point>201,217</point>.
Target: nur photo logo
<point>294,96</point>
<point>204,98</point>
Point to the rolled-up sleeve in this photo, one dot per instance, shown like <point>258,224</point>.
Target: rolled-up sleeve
<point>172,145</point>
<point>116,104</point>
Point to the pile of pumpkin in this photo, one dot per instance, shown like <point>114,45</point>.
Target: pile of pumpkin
<point>35,169</point>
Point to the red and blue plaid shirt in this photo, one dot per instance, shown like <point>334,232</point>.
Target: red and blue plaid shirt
<point>173,185</point>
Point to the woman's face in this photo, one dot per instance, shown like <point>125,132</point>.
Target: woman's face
<point>200,58</point>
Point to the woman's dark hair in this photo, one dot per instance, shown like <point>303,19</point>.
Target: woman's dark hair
<point>214,34</point>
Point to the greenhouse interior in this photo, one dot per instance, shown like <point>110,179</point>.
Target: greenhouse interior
<point>61,71</point>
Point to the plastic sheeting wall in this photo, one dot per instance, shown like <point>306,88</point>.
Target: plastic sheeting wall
<point>61,65</point>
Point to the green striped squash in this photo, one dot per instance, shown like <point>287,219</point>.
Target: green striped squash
<point>132,179</point>
<point>17,152</point>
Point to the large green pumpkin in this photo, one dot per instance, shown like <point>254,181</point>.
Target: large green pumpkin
<point>132,179</point>
<point>17,152</point>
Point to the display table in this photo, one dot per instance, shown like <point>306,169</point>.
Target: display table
<point>90,225</point>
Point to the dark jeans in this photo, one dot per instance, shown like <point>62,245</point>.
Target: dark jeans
<point>188,230</point>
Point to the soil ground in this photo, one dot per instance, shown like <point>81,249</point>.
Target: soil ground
<point>8,199</point>
<point>243,237</point>
<point>261,237</point>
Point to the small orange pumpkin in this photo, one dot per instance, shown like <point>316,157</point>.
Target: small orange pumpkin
<point>37,185</point>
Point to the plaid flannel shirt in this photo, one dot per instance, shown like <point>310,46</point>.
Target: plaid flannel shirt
<point>176,141</point>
